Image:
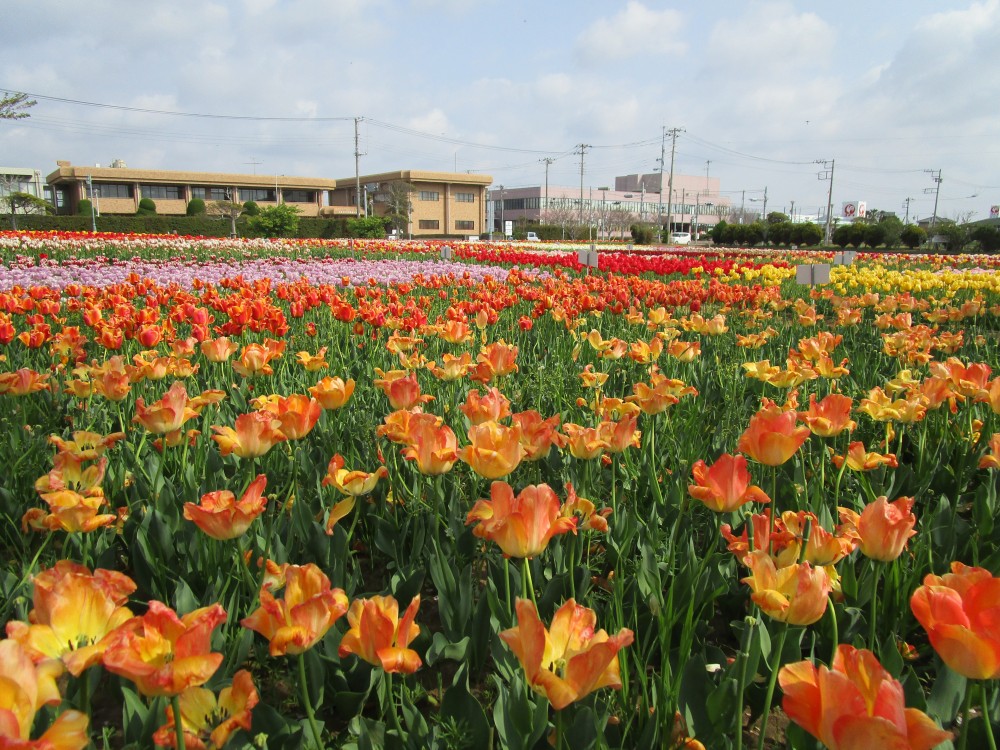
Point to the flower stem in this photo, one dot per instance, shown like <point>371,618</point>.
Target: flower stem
<point>748,625</point>
<point>770,685</point>
<point>874,604</point>
<point>391,705</point>
<point>986,717</point>
<point>963,740</point>
<point>307,702</point>
<point>175,702</point>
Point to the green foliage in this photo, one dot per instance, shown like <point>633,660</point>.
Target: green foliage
<point>195,207</point>
<point>987,237</point>
<point>850,234</point>
<point>780,233</point>
<point>13,106</point>
<point>955,237</point>
<point>776,217</point>
<point>719,232</point>
<point>643,234</point>
<point>913,236</point>
<point>85,207</point>
<point>147,207</point>
<point>276,221</point>
<point>807,235</point>
<point>250,208</point>
<point>372,227</point>
<point>875,235</point>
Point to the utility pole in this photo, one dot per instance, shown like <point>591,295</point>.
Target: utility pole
<point>906,203</point>
<point>743,204</point>
<point>545,206</point>
<point>583,150</point>
<point>824,175</point>
<point>936,176</point>
<point>659,211</point>
<point>670,187</point>
<point>708,163</point>
<point>793,212</point>
<point>357,169</point>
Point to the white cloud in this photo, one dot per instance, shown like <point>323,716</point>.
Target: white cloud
<point>635,32</point>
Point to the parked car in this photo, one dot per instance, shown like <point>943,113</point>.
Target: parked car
<point>532,237</point>
<point>680,238</point>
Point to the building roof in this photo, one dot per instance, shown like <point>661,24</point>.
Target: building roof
<point>66,172</point>
<point>417,175</point>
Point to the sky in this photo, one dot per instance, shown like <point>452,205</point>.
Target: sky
<point>891,94</point>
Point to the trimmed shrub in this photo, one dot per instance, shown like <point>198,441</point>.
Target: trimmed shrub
<point>85,207</point>
<point>250,208</point>
<point>147,207</point>
<point>195,207</point>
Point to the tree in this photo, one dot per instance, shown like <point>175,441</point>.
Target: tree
<point>987,237</point>
<point>276,221</point>
<point>13,106</point>
<point>955,236</point>
<point>27,204</point>
<point>399,205</point>
<point>719,232</point>
<point>250,208</point>
<point>913,236</point>
<point>776,217</point>
<point>807,235</point>
<point>366,226</point>
<point>147,207</point>
<point>231,210</point>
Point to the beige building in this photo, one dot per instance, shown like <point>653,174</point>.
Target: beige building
<point>118,189</point>
<point>442,203</point>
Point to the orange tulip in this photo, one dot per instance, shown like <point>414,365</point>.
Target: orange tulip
<point>353,483</point>
<point>684,351</point>
<point>86,445</point>
<point>859,459</point>
<point>111,383</point>
<point>26,688</point>
<point>219,350</point>
<point>402,391</point>
<point>455,332</point>
<point>297,414</point>
<point>379,636</point>
<point>296,623</point>
<point>972,381</point>
<point>254,360</point>
<point>452,367</point>
<point>220,515</point>
<point>521,526</point>
<point>882,408</point>
<point>74,613</point>
<point>823,548</point>
<point>883,528</point>
<point>168,414</point>
<point>772,437</point>
<point>590,378</point>
<point>313,362</point>
<point>22,382</point>
<point>489,407</point>
<point>856,704</point>
<point>991,459</point>
<point>69,511</point>
<point>959,611</point>
<point>796,594</point>
<point>494,450</point>
<point>569,660</point>
<point>499,357</point>
<point>725,485</point>
<point>254,435</point>
<point>620,435</point>
<point>829,417</point>
<point>164,654</point>
<point>538,435</point>
<point>584,442</point>
<point>396,426</point>
<point>207,719</point>
<point>332,393</point>
<point>432,445</point>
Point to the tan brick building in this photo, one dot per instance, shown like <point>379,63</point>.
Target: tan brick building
<point>443,203</point>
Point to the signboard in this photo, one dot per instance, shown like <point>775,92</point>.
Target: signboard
<point>587,258</point>
<point>994,212</point>
<point>812,274</point>
<point>854,209</point>
<point>446,253</point>
<point>508,229</point>
<point>845,258</point>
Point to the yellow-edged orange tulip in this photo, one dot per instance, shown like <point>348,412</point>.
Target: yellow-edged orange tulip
<point>572,658</point>
<point>402,391</point>
<point>208,721</point>
<point>538,434</point>
<point>960,611</point>
<point>254,435</point>
<point>991,459</point>
<point>430,444</point>
<point>829,417</point>
<point>725,485</point>
<point>296,623</point>
<point>797,594</point>
<point>353,483</point>
<point>494,450</point>
<point>219,350</point>
<point>772,438</point>
<point>855,704</point>
<point>379,636</point>
<point>859,459</point>
<point>220,515</point>
<point>491,406</point>
<point>297,414</point>
<point>521,526</point>
<point>883,528</point>
<point>168,414</point>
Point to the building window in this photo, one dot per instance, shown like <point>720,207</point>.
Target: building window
<point>112,190</point>
<point>465,197</point>
<point>430,224</point>
<point>299,196</point>
<point>162,192</point>
<point>210,193</point>
<point>465,225</point>
<point>257,194</point>
<point>430,195</point>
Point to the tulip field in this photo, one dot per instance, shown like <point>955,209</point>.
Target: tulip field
<point>354,494</point>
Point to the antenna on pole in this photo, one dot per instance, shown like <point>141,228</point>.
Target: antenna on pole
<point>670,187</point>
<point>255,163</point>
<point>936,176</point>
<point>583,149</point>
<point>545,206</point>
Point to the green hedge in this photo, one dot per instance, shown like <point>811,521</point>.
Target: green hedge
<point>185,225</point>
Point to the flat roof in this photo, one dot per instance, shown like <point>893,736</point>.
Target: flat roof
<point>69,172</point>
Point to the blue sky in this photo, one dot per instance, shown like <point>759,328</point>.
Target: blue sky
<point>761,88</point>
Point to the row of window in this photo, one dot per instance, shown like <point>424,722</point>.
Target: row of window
<point>176,192</point>
<point>434,195</point>
<point>435,224</point>
<point>527,204</point>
